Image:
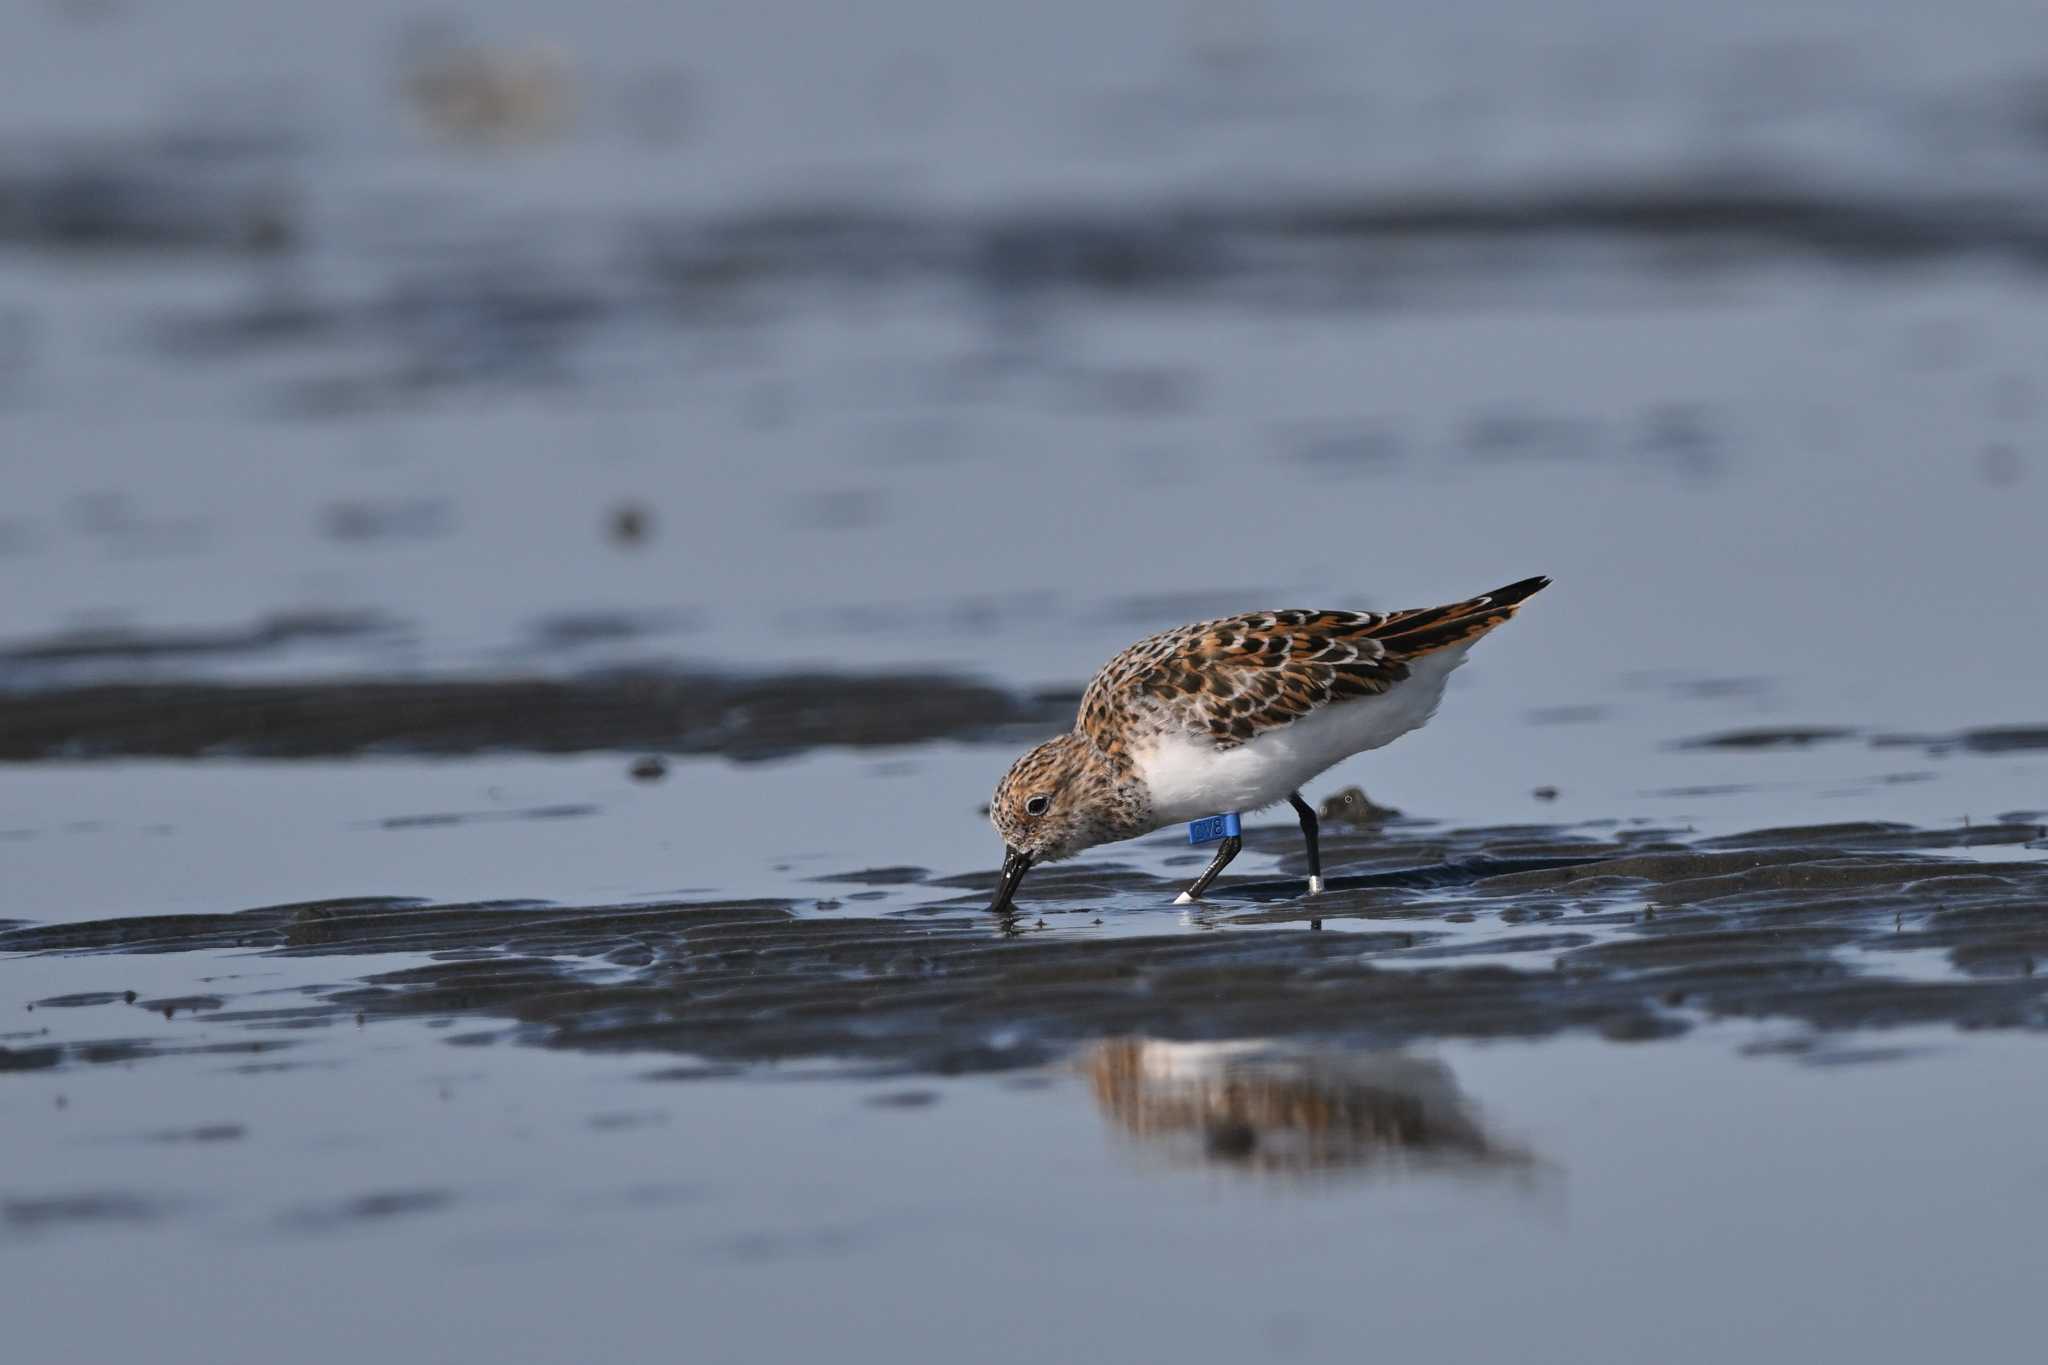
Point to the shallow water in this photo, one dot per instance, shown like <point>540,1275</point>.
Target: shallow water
<point>573,1205</point>
<point>510,624</point>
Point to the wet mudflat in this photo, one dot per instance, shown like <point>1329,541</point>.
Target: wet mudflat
<point>527,545</point>
<point>1589,1064</point>
<point>576,1199</point>
<point>1521,933</point>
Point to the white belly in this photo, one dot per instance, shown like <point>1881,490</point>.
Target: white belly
<point>1187,778</point>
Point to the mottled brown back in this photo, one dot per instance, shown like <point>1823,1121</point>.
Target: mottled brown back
<point>1238,675</point>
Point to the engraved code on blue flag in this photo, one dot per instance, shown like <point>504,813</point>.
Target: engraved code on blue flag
<point>1211,828</point>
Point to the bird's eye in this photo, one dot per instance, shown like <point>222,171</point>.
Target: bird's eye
<point>1038,805</point>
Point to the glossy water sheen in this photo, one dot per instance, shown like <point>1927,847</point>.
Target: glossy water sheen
<point>1682,1202</point>
<point>877,337</point>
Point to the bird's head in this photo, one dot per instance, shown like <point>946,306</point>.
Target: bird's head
<point>1056,800</point>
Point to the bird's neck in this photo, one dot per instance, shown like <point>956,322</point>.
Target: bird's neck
<point>1117,794</point>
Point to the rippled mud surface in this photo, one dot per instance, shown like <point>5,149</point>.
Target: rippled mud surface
<point>1471,934</point>
<point>1515,1052</point>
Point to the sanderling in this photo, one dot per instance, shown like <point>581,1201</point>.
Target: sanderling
<point>1217,718</point>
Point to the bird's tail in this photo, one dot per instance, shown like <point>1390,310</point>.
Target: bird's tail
<point>1407,634</point>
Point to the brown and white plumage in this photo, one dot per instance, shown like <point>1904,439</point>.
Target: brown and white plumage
<point>1237,676</point>
<point>1232,715</point>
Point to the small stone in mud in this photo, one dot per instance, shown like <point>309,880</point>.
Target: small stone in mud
<point>1353,806</point>
<point>649,768</point>
<point>1545,793</point>
<point>1231,1141</point>
<point>631,523</point>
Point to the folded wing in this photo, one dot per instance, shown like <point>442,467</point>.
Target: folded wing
<point>1239,675</point>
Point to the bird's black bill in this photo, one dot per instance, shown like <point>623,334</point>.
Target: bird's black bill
<point>1016,862</point>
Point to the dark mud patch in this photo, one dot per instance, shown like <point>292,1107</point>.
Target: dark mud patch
<point>1990,739</point>
<point>150,194</point>
<point>123,1051</point>
<point>675,712</point>
<point>1192,246</point>
<point>1877,834</point>
<point>1632,942</point>
<point>201,1133</point>
<point>378,1206</point>
<point>1778,737</point>
<point>171,1006</point>
<point>50,1213</point>
<point>442,819</point>
<point>577,630</point>
<point>122,646</point>
<point>29,1058</point>
<point>85,1000</point>
<point>877,876</point>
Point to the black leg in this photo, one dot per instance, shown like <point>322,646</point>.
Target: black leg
<point>1224,853</point>
<point>1308,834</point>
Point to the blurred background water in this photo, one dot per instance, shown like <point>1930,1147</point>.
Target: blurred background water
<point>491,342</point>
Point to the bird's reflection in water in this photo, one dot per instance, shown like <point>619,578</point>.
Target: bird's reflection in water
<point>1294,1109</point>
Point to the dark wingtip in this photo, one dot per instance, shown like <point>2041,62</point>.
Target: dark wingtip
<point>1422,632</point>
<point>1518,592</point>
